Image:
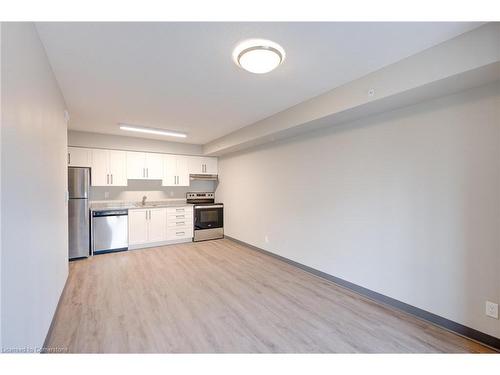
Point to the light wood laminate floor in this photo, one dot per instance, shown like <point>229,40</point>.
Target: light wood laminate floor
<point>220,296</point>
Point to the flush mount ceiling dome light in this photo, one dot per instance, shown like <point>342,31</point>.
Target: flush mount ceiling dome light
<point>258,55</point>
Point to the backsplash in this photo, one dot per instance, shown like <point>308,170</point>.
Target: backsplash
<point>153,189</point>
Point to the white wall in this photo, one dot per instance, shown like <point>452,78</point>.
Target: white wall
<point>0,186</point>
<point>33,185</point>
<point>116,142</point>
<point>405,203</point>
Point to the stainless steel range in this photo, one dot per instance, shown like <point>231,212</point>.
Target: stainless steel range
<point>208,216</point>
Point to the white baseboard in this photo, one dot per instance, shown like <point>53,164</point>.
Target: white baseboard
<point>156,244</point>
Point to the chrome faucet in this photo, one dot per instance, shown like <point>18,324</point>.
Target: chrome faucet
<point>144,200</point>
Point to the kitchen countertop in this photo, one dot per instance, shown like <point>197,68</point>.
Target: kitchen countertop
<point>115,205</point>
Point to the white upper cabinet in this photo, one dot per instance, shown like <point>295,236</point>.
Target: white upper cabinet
<point>136,165</point>
<point>118,168</point>
<point>79,157</point>
<point>154,166</point>
<point>144,166</point>
<point>109,168</point>
<point>202,165</point>
<point>115,168</point>
<point>211,165</point>
<point>100,168</point>
<point>176,170</point>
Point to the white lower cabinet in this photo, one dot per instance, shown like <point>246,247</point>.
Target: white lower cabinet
<point>179,223</point>
<point>157,225</point>
<point>137,227</point>
<point>154,226</point>
<point>147,226</point>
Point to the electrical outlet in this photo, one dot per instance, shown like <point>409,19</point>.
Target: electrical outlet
<point>371,92</point>
<point>492,309</point>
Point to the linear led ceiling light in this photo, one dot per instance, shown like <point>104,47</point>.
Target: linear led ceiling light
<point>141,129</point>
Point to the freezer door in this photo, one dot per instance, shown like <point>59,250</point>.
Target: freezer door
<point>79,229</point>
<point>78,182</point>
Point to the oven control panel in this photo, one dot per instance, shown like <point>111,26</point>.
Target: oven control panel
<point>196,195</point>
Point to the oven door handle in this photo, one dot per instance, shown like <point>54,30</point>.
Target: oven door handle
<point>209,207</point>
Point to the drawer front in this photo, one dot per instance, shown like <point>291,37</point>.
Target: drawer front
<point>180,223</point>
<point>179,233</point>
<point>180,210</point>
<point>180,217</point>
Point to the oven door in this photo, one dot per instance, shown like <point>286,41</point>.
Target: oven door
<point>208,217</point>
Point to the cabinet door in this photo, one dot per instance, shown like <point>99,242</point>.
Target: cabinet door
<point>154,166</point>
<point>195,164</point>
<point>118,168</point>
<point>157,225</point>
<point>182,170</point>
<point>100,171</point>
<point>210,165</point>
<point>136,166</point>
<point>137,227</point>
<point>79,157</point>
<point>169,170</point>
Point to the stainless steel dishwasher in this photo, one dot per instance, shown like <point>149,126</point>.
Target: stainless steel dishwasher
<point>109,231</point>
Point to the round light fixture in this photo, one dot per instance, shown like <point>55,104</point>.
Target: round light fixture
<point>258,55</point>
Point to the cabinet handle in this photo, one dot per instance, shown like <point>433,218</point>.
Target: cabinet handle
<point>179,233</point>
<point>180,216</point>
<point>180,222</point>
<point>179,209</point>
<point>107,179</point>
<point>147,172</point>
<point>69,158</point>
<point>111,179</point>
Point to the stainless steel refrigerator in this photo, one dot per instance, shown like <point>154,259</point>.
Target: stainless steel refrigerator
<point>78,212</point>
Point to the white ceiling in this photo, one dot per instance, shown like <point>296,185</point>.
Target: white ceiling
<point>180,76</point>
